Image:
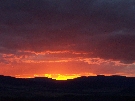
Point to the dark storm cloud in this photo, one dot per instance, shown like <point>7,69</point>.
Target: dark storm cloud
<point>103,27</point>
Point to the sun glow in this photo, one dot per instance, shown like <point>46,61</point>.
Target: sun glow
<point>62,77</point>
<point>51,76</point>
<point>55,76</point>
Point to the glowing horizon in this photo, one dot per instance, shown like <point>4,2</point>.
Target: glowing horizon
<point>62,76</point>
<point>54,76</point>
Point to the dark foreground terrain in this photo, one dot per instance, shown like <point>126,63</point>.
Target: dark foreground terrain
<point>98,88</point>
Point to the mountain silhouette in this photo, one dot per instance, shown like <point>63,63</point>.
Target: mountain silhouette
<point>92,88</point>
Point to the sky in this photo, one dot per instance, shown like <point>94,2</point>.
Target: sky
<point>67,38</point>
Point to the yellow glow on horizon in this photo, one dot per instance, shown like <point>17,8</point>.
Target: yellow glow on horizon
<point>55,76</point>
<point>52,76</point>
<point>62,77</point>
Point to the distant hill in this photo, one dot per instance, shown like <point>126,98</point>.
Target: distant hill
<point>87,87</point>
<point>94,82</point>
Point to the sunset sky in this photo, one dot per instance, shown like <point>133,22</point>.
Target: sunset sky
<point>67,38</point>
